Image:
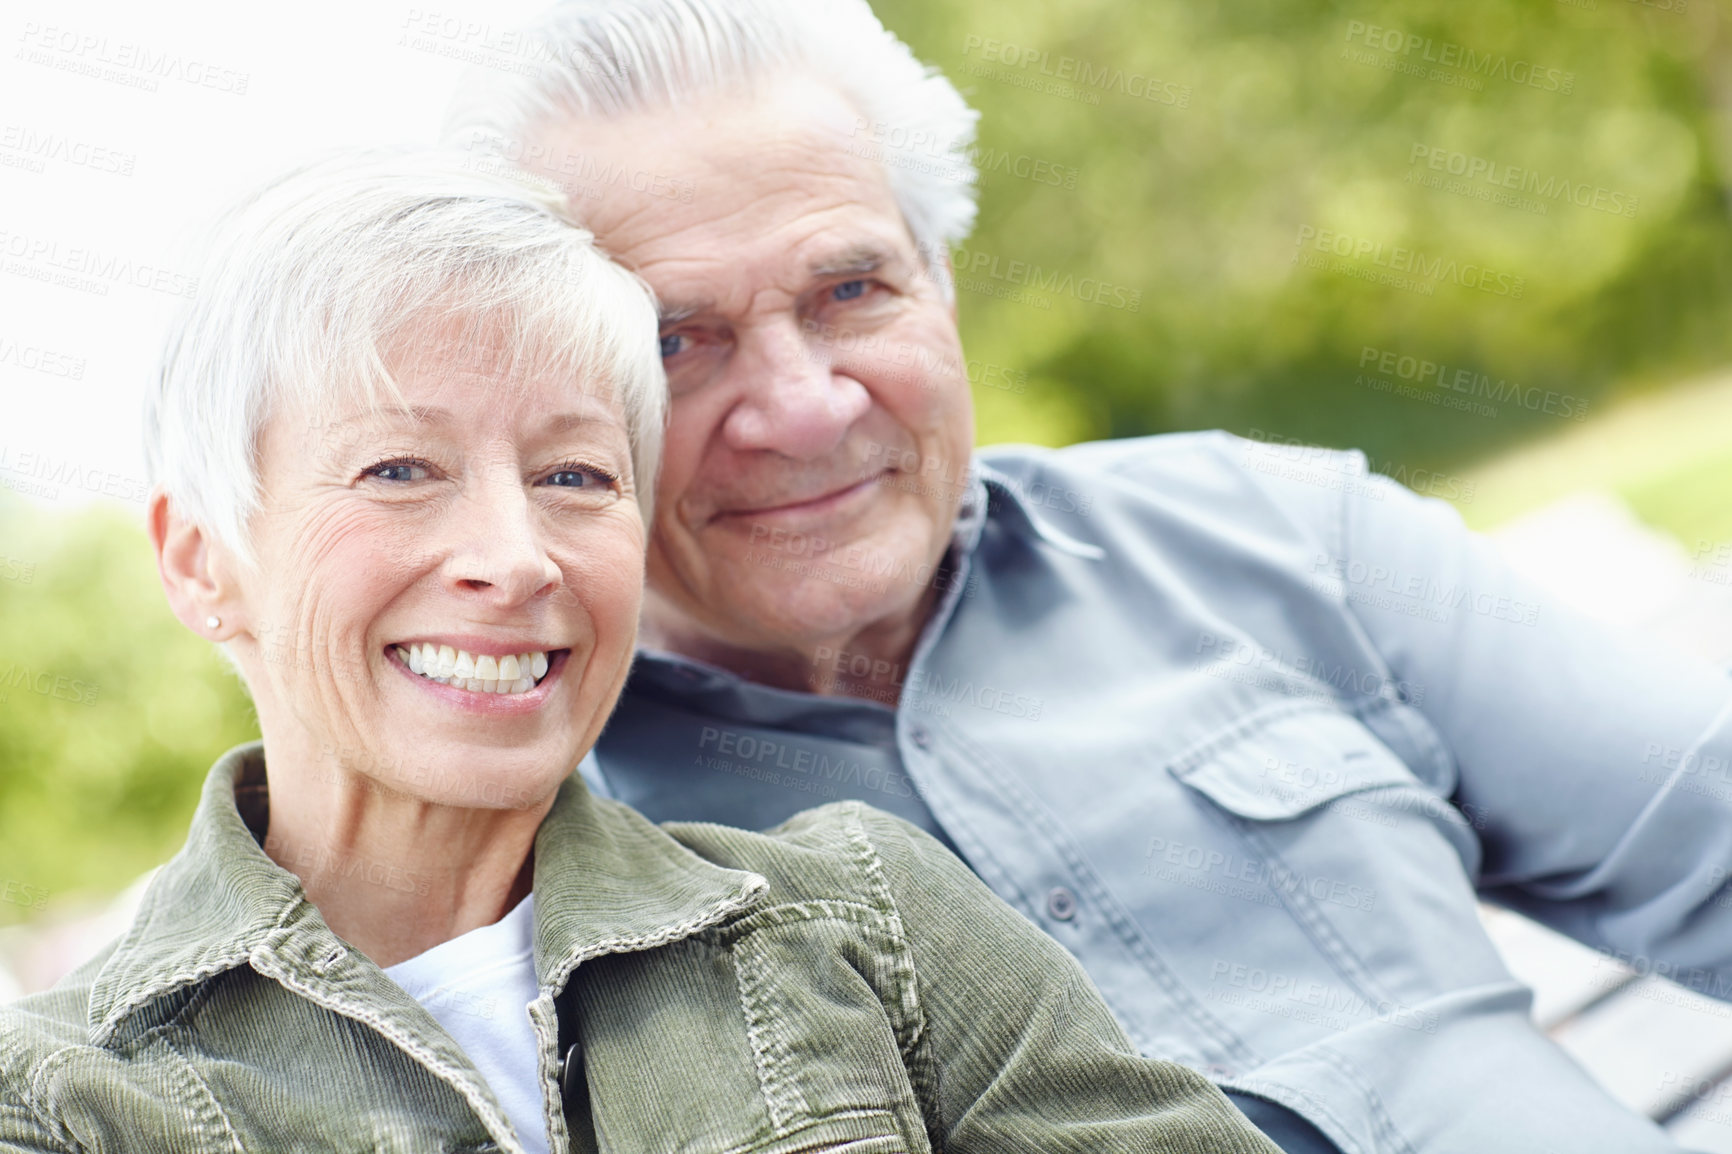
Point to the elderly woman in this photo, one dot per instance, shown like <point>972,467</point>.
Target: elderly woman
<point>404,442</point>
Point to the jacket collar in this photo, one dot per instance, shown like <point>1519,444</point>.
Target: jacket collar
<point>606,881</point>
<point>610,881</point>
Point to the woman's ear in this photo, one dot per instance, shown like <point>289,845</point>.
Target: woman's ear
<point>195,572</point>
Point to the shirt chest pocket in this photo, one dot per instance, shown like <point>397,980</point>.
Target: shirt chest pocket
<point>1340,831</point>
<point>1288,767</point>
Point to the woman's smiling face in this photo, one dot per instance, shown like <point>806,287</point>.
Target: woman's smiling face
<point>446,594</point>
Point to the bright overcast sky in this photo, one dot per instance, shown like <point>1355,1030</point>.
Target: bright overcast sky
<point>124,128</point>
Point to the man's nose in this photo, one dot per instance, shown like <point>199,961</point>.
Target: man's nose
<point>792,402</point>
<point>501,556</point>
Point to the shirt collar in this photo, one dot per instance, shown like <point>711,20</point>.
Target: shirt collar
<point>1002,496</point>
<point>607,880</point>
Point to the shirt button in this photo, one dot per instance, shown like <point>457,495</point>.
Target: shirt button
<point>1061,903</point>
<point>922,736</point>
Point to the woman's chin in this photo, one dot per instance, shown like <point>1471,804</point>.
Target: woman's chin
<point>478,777</point>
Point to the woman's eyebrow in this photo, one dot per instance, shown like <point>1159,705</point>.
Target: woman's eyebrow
<point>565,422</point>
<point>417,414</point>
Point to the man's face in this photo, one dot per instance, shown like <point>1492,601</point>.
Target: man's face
<point>821,418</point>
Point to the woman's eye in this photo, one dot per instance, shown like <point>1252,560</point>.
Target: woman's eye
<point>579,479</point>
<point>848,290</point>
<point>672,345</point>
<point>399,471</point>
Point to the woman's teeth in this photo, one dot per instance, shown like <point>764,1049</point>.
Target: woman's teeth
<point>513,673</point>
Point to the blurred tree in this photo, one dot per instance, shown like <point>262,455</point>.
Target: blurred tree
<point>1568,146</point>
<point>110,710</point>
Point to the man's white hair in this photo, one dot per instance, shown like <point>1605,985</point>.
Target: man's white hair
<point>608,58</point>
<point>314,284</point>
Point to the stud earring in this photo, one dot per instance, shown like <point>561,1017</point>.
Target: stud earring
<point>213,622</point>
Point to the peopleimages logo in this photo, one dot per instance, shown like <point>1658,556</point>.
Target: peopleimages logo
<point>87,269</point>
<point>39,147</point>
<point>1470,383</point>
<point>1500,176</point>
<point>56,472</point>
<point>974,265</point>
<point>37,359</point>
<point>1417,49</point>
<point>1084,74</point>
<point>1407,262</point>
<point>135,65</point>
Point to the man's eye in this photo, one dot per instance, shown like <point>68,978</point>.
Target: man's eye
<point>399,471</point>
<point>673,345</point>
<point>848,290</point>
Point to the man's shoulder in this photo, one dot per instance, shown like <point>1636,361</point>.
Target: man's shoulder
<point>1124,456</point>
<point>1213,472</point>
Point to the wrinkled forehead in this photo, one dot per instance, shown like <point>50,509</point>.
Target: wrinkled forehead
<point>502,353</point>
<point>784,168</point>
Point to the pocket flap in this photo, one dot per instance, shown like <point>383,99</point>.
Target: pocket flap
<point>1293,765</point>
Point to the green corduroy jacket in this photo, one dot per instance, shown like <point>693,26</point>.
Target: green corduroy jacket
<point>841,983</point>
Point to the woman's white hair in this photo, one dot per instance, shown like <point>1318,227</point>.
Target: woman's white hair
<point>314,283</point>
<point>607,58</point>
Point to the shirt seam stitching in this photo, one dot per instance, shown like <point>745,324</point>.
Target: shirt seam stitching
<point>1035,816</point>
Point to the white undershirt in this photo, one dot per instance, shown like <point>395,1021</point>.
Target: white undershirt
<point>478,986</point>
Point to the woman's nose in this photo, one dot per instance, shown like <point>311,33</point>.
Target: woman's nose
<point>501,554</point>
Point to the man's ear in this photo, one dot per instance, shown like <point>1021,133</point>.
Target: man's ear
<point>195,570</point>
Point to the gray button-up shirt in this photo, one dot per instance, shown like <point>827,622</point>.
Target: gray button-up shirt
<point>1248,730</point>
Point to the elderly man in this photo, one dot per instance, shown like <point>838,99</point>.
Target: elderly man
<point>1246,738</point>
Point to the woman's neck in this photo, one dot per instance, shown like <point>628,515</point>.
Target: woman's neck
<point>392,874</point>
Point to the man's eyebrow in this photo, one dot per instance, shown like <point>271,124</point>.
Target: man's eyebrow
<point>673,314</point>
<point>855,260</point>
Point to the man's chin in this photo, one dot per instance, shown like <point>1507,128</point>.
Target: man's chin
<point>828,600</point>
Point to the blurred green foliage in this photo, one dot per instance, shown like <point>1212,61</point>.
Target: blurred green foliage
<point>110,710</point>
<point>1200,206</point>
<point>1260,128</point>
